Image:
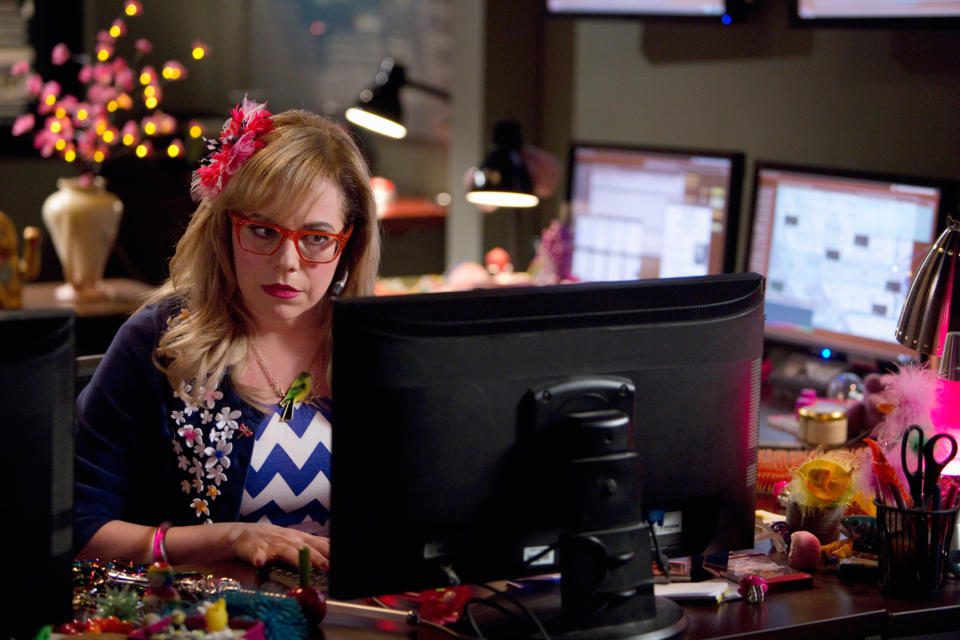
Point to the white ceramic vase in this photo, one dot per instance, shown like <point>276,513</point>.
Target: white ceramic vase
<point>82,219</point>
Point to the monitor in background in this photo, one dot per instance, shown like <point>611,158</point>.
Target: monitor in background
<point>453,410</point>
<point>861,11</point>
<point>838,249</point>
<point>36,393</point>
<point>645,212</point>
<point>724,9</point>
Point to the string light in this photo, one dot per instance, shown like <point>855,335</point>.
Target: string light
<point>118,28</point>
<point>132,8</point>
<point>194,129</point>
<point>175,149</point>
<point>148,75</point>
<point>143,149</point>
<point>198,50</point>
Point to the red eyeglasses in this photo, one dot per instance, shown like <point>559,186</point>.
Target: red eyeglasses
<point>263,238</point>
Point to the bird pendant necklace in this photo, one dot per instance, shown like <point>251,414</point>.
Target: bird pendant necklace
<point>298,392</point>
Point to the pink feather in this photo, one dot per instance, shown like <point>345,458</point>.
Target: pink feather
<point>912,390</point>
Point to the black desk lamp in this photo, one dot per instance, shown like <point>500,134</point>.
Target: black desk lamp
<point>503,180</point>
<point>378,108</point>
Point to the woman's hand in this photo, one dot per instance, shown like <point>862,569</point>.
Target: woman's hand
<point>260,543</point>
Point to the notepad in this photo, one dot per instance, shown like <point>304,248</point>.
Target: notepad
<point>718,590</point>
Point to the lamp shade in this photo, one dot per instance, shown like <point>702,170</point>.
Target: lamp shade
<point>378,107</point>
<point>503,180</point>
<point>932,307</point>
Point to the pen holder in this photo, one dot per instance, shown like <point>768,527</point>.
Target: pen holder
<point>914,550</point>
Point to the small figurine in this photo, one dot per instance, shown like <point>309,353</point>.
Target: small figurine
<point>753,589</point>
<point>312,603</point>
<point>161,595</point>
<point>215,615</point>
<point>14,270</point>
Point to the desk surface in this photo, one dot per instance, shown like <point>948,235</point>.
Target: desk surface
<point>829,609</point>
<point>124,297</point>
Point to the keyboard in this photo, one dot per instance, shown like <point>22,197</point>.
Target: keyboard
<point>290,577</point>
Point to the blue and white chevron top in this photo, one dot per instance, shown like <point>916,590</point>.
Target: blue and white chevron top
<point>288,481</point>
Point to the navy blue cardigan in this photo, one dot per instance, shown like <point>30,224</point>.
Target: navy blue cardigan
<point>127,463</point>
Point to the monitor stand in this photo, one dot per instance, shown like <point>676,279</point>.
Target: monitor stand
<point>542,598</point>
<point>585,425</point>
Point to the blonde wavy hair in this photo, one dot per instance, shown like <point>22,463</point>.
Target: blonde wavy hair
<point>212,333</point>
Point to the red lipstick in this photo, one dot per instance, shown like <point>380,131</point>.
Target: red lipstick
<point>280,290</point>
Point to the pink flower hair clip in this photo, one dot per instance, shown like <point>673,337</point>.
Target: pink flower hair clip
<point>239,139</point>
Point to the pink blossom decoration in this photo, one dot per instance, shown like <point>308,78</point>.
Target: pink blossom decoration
<point>85,126</point>
<point>23,124</point>
<point>60,54</point>
<point>34,84</point>
<point>118,28</point>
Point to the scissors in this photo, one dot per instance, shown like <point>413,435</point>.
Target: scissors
<point>925,475</point>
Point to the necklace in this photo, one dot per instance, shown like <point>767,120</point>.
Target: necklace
<point>266,371</point>
<point>301,389</point>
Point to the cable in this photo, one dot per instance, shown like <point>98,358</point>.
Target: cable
<point>488,603</point>
<point>530,614</point>
<point>420,621</point>
<point>662,562</point>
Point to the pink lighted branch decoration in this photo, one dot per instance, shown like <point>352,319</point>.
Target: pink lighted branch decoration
<point>120,109</point>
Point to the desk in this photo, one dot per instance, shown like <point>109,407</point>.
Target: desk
<point>97,320</point>
<point>829,609</point>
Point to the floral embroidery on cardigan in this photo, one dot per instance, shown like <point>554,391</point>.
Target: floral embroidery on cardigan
<point>204,463</point>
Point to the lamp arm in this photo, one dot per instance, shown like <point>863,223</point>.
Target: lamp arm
<point>428,88</point>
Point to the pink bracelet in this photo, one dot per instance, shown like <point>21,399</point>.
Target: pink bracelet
<point>159,548</point>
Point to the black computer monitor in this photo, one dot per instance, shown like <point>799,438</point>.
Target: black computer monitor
<point>452,412</point>
<point>838,249</point>
<point>649,212</point>
<point>36,393</point>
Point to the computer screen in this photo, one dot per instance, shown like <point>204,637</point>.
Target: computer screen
<point>36,393</point>
<point>443,464</point>
<point>646,212</point>
<point>641,7</point>
<point>838,249</point>
<point>812,10</point>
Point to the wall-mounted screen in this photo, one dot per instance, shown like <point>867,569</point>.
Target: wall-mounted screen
<point>874,9</point>
<point>838,249</point>
<point>715,8</point>
<point>645,212</point>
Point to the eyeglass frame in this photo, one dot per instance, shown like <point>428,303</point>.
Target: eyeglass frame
<point>292,234</point>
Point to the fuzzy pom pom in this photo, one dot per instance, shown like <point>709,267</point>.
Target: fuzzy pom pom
<point>804,550</point>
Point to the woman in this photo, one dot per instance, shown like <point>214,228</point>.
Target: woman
<point>187,419</point>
